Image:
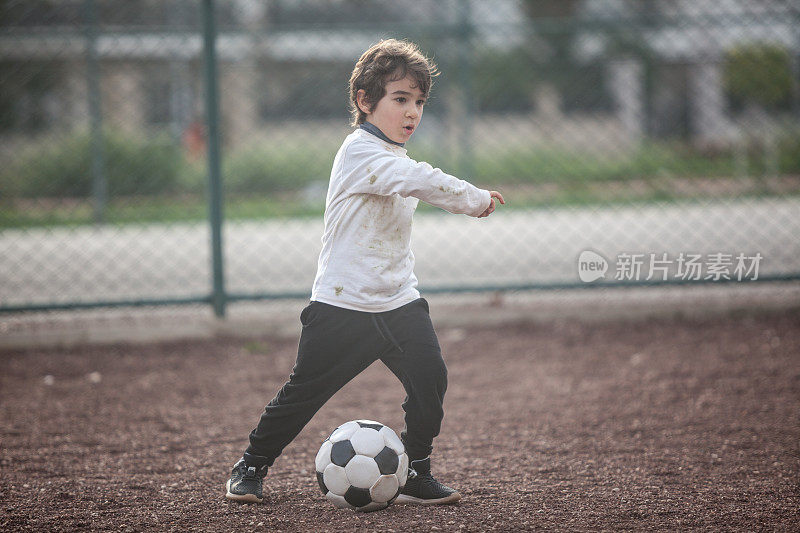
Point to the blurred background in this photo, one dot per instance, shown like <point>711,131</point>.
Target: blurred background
<point>645,132</point>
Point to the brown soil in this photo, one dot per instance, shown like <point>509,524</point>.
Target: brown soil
<point>667,425</point>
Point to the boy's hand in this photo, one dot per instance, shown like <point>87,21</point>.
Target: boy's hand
<point>490,209</point>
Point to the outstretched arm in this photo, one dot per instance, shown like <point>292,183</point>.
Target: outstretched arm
<point>372,170</point>
<point>490,209</point>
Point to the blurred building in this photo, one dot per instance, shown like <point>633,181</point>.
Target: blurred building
<point>647,68</point>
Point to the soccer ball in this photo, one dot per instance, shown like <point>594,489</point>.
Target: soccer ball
<point>362,466</point>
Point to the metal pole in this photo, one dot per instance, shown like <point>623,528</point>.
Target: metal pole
<point>96,148</point>
<point>214,174</point>
<point>465,165</point>
<point>795,65</point>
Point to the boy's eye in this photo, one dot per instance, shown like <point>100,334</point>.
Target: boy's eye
<point>401,99</point>
<point>420,102</point>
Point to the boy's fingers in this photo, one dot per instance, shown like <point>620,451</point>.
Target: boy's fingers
<point>492,206</point>
<point>499,197</point>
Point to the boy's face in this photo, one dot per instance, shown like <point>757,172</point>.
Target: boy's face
<point>398,113</point>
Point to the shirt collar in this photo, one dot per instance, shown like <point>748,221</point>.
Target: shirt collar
<point>373,129</point>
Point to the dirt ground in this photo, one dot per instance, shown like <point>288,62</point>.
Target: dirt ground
<point>662,425</point>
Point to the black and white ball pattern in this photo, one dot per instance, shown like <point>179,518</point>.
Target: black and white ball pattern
<point>362,466</point>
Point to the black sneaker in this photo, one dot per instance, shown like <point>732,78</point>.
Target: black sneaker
<point>422,489</point>
<point>245,484</point>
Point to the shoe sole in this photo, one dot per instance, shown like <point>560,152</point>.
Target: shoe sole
<point>405,499</point>
<point>244,498</point>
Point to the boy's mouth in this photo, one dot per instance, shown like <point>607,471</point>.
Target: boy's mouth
<point>409,129</point>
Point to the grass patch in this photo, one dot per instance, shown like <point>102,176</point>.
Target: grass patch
<point>652,161</point>
<point>289,180</point>
<point>33,213</point>
<point>194,208</point>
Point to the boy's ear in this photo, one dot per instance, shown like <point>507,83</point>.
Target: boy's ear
<point>361,102</point>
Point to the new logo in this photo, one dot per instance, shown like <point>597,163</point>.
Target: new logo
<point>591,266</point>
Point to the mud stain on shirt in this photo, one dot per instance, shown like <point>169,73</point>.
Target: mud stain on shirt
<point>448,190</point>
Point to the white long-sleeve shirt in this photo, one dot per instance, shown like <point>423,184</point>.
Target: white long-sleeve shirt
<point>366,263</point>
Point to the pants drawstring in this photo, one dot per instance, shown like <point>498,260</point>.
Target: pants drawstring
<point>380,332</point>
<point>375,319</point>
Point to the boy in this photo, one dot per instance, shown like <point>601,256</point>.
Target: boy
<point>364,302</point>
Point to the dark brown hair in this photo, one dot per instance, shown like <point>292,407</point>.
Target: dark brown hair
<point>388,60</point>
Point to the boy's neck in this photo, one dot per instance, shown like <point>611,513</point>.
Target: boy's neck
<point>375,130</point>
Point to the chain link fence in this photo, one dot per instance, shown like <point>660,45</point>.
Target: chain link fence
<point>637,143</point>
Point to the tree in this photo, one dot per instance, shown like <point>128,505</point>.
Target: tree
<point>759,74</point>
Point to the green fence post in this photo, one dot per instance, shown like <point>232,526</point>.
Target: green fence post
<point>96,148</point>
<point>465,64</point>
<point>795,65</point>
<point>218,296</point>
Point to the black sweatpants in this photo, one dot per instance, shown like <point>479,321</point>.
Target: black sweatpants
<point>336,344</point>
